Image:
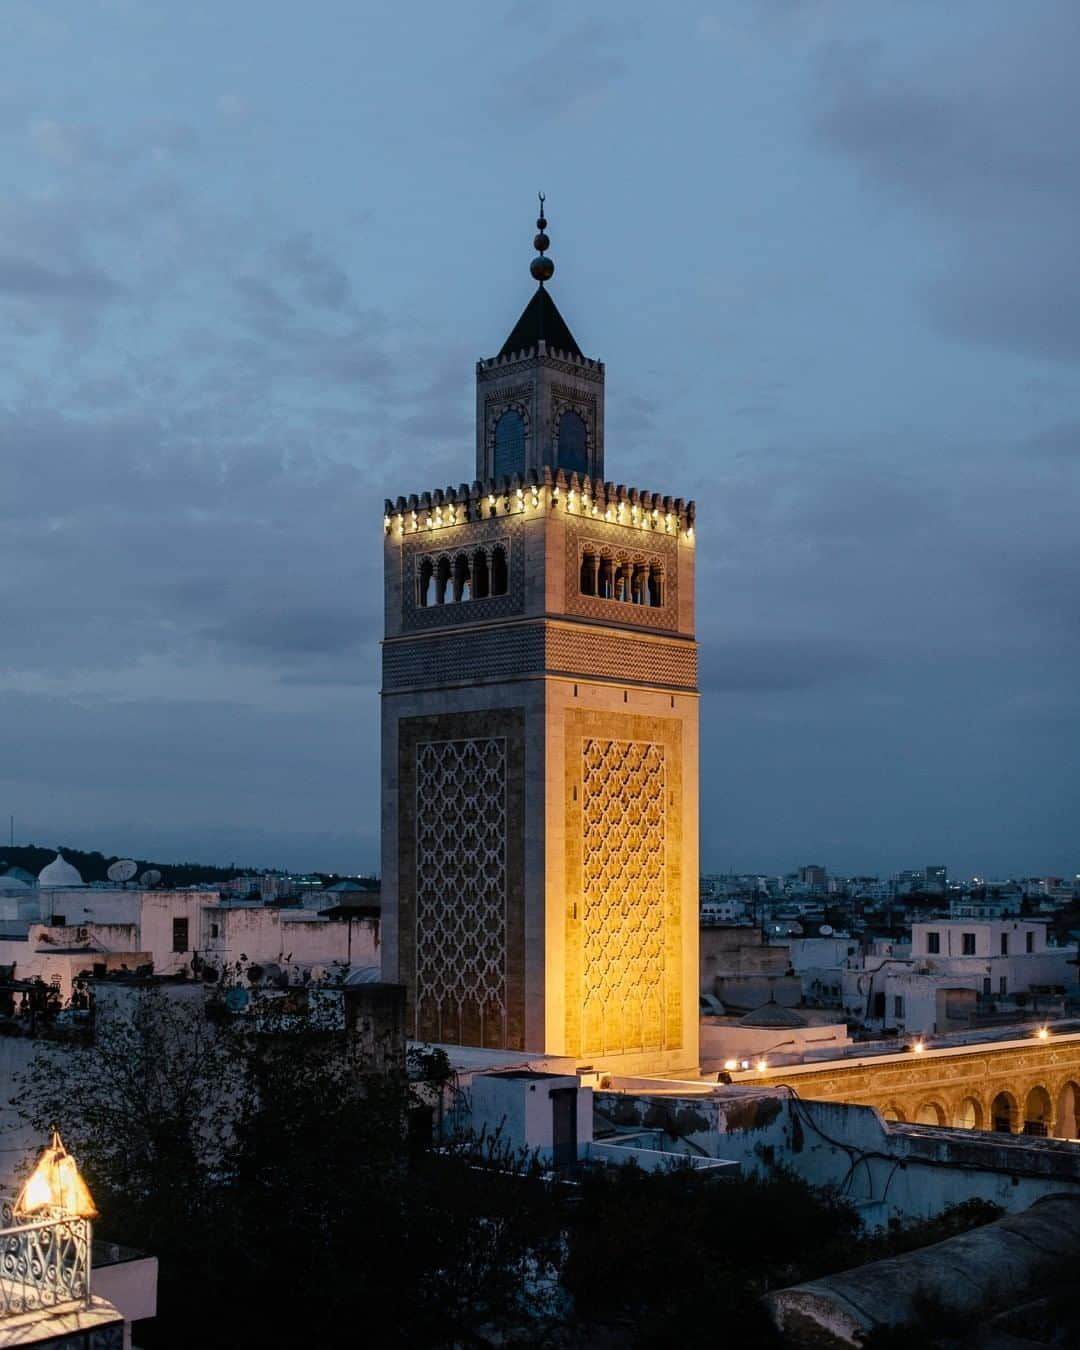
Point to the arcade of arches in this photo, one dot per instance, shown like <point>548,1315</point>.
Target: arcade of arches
<point>1023,1087</point>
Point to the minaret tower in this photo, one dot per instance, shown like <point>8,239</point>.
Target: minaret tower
<point>540,732</point>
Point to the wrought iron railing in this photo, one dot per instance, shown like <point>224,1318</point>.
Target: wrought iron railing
<point>44,1263</point>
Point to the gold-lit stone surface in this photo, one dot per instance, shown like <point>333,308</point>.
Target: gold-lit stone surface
<point>956,1087</point>
<point>624,883</point>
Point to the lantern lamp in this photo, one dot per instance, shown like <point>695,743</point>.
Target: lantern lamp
<point>55,1183</point>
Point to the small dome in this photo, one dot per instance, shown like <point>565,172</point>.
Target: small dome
<point>59,873</point>
<point>11,883</point>
<point>21,874</point>
<point>774,1017</point>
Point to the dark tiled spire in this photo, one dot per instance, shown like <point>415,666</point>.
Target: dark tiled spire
<point>541,320</point>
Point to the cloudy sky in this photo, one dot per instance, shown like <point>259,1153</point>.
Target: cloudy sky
<point>250,250</point>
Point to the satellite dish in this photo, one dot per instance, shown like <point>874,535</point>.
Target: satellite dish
<point>150,877</point>
<point>825,930</point>
<point>122,870</point>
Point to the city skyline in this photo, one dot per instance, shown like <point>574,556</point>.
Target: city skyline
<point>235,323</point>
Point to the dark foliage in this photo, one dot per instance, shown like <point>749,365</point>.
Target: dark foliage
<point>279,1187</point>
<point>271,1177</point>
<point>672,1255</point>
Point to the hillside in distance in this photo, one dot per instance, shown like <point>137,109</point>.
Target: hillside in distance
<point>94,866</point>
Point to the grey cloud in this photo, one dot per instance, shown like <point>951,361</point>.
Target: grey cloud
<point>265,305</point>
<point>978,139</point>
<point>195,763</point>
<point>567,75</point>
<point>739,664</point>
<point>305,630</point>
<point>25,279</point>
<point>1059,442</point>
<point>323,282</point>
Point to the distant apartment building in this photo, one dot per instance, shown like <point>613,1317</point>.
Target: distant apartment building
<point>726,911</point>
<point>179,932</point>
<point>985,906</point>
<point>957,971</point>
<point>814,876</point>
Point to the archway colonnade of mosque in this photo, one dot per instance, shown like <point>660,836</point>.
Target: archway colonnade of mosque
<point>1027,1086</point>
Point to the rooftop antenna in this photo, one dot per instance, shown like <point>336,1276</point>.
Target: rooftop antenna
<point>122,870</point>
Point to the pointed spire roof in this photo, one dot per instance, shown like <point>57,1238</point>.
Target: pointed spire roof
<point>540,319</point>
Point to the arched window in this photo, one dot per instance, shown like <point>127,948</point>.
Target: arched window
<point>461,577</point>
<point>607,579</point>
<point>573,444</point>
<point>656,586</point>
<point>480,584</point>
<point>509,444</point>
<point>442,583</point>
<point>589,570</point>
<point>423,586</point>
<point>498,571</point>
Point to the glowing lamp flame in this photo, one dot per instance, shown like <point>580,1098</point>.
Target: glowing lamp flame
<point>55,1183</point>
<point>918,1047</point>
<point>730,1064</point>
<point>1044,1033</point>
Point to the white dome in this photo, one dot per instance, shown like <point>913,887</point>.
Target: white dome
<point>59,873</point>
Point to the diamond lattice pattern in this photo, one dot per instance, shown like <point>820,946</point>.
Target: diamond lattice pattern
<point>461,891</point>
<point>623,896</point>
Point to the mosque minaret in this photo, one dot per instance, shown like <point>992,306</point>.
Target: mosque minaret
<point>540,732</point>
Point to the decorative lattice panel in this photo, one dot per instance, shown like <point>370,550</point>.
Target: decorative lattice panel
<point>624,896</point>
<point>461,890</point>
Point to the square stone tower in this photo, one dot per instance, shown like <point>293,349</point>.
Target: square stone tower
<point>540,734</point>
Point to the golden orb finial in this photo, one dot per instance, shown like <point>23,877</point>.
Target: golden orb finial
<point>541,268</point>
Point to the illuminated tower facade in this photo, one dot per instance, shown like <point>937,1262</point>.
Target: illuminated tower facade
<point>540,732</point>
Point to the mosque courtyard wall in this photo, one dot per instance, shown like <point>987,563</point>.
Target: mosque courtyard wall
<point>1024,1085</point>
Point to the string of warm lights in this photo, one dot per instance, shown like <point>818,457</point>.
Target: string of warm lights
<point>613,505</point>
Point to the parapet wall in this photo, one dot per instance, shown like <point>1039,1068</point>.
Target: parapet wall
<point>537,491</point>
<point>887,1169</point>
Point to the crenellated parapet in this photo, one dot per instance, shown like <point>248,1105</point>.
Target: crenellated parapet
<point>538,491</point>
<point>496,365</point>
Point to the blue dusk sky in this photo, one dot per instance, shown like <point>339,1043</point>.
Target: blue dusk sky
<point>828,249</point>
